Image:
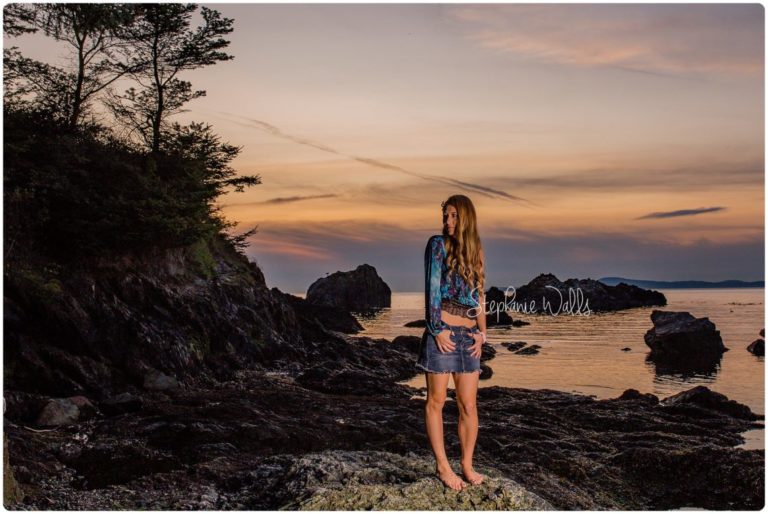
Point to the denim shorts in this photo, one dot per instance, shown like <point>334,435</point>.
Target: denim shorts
<point>460,360</point>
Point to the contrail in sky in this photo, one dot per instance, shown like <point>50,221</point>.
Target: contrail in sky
<point>475,188</point>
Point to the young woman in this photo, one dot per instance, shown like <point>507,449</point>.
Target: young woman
<point>454,265</point>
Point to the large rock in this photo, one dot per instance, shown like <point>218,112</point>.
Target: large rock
<point>757,347</point>
<point>547,294</point>
<point>358,290</point>
<point>377,480</point>
<point>679,337</point>
<point>59,411</point>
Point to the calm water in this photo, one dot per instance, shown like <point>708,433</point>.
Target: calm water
<point>583,353</point>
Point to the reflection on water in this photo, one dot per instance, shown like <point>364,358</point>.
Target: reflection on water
<point>584,353</point>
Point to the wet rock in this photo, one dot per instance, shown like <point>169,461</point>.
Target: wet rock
<point>679,337</point>
<point>703,397</point>
<point>513,346</point>
<point>486,372</point>
<point>634,394</point>
<point>488,352</point>
<point>410,343</point>
<point>529,350</point>
<point>626,349</point>
<point>757,347</point>
<point>357,290</point>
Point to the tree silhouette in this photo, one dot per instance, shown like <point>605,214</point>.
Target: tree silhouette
<point>158,46</point>
<point>89,31</point>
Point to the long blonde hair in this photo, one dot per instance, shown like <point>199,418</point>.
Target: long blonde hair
<point>463,248</point>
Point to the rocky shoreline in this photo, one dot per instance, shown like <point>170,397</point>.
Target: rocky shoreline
<point>270,409</point>
<point>262,441</point>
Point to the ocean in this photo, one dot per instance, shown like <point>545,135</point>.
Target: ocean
<point>583,354</point>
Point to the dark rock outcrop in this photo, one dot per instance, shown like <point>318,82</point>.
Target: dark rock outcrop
<point>359,290</point>
<point>332,318</point>
<point>757,347</point>
<point>704,398</point>
<point>547,294</point>
<point>680,338</point>
<point>101,330</point>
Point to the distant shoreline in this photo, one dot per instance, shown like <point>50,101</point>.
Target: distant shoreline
<point>659,288</point>
<point>684,284</point>
<point>666,288</point>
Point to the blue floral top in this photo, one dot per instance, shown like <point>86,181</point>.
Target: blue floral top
<point>439,285</point>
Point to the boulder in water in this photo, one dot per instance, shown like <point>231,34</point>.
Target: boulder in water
<point>358,290</point>
<point>681,337</point>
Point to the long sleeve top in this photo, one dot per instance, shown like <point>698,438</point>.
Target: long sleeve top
<point>440,284</point>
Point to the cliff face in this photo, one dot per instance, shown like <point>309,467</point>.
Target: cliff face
<point>196,313</point>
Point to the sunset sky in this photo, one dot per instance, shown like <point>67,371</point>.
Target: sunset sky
<point>595,140</point>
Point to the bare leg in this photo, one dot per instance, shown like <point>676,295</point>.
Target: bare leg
<point>437,386</point>
<point>466,397</point>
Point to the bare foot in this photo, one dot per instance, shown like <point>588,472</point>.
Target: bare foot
<point>451,479</point>
<point>470,474</point>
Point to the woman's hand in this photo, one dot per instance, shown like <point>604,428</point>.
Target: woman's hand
<point>476,350</point>
<point>443,340</point>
